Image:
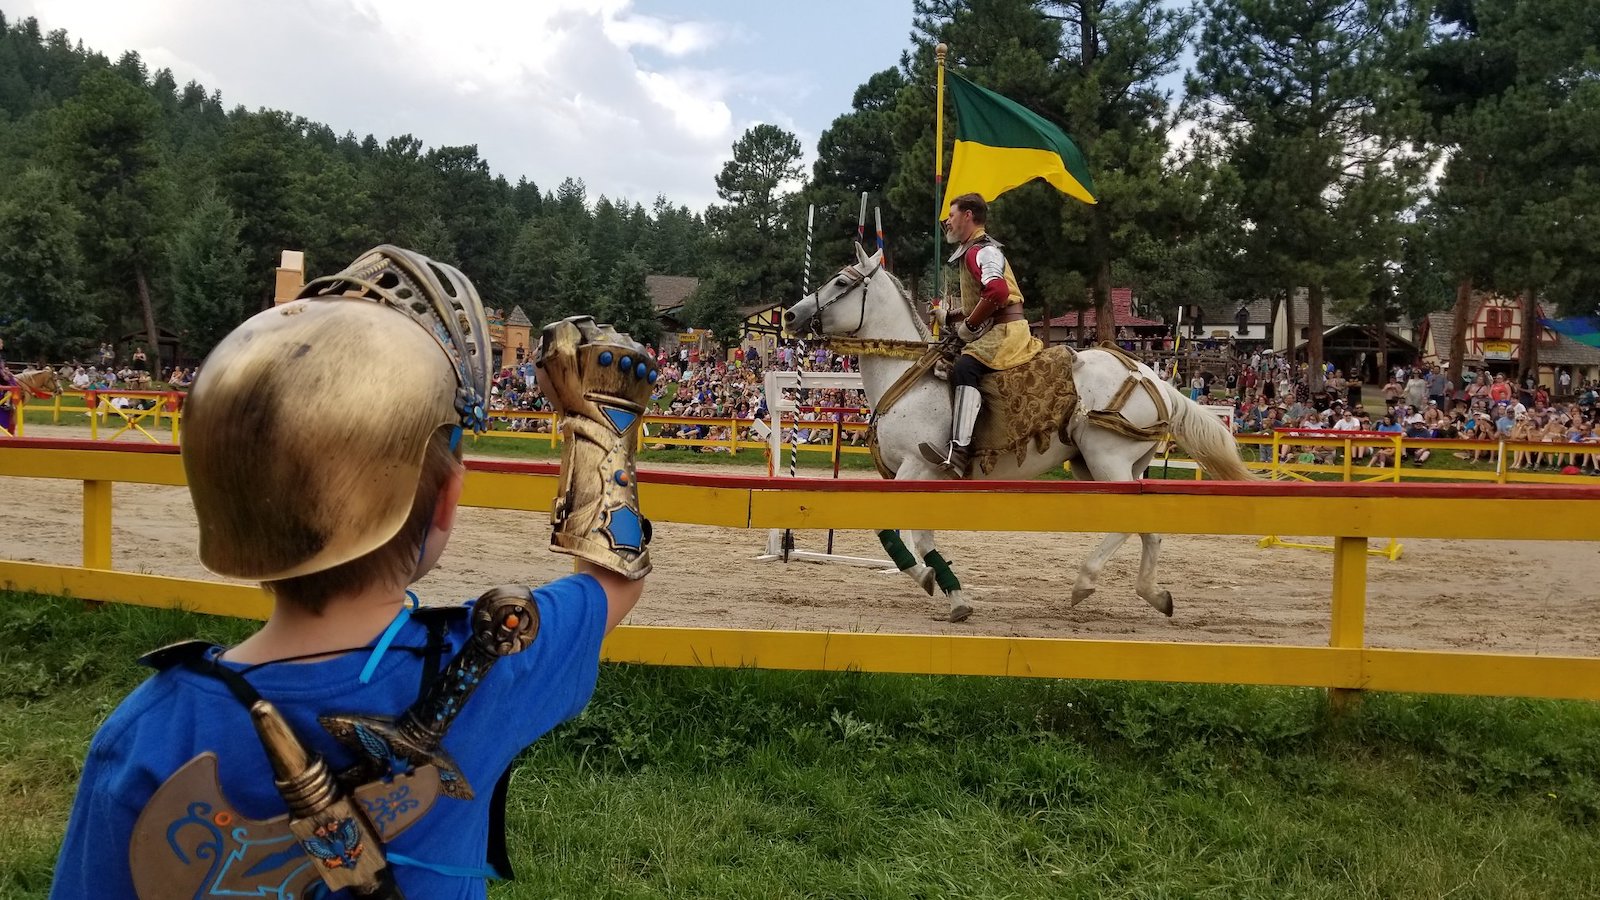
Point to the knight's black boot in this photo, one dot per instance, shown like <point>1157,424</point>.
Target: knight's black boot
<point>954,459</point>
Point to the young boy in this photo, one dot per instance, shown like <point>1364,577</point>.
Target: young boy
<point>322,447</point>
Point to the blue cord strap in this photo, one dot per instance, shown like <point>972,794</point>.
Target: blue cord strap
<point>401,859</point>
<point>387,638</point>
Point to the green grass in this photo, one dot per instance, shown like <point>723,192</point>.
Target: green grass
<point>729,783</point>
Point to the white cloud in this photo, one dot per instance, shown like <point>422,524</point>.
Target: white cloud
<point>546,89</point>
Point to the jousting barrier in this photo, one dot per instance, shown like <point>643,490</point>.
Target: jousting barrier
<point>1350,514</point>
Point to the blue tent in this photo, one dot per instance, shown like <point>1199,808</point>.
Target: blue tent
<point>1583,329</point>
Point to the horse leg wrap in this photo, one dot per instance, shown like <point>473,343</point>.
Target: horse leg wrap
<point>948,582</point>
<point>896,548</point>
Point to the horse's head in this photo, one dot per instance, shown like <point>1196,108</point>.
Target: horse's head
<point>41,382</point>
<point>839,306</point>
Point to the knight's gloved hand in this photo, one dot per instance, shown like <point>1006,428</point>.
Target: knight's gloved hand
<point>599,381</point>
<point>968,334</point>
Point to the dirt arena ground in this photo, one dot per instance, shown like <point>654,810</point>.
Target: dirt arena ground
<point>1505,596</point>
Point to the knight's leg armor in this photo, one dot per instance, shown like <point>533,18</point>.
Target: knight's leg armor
<point>599,381</point>
<point>953,459</point>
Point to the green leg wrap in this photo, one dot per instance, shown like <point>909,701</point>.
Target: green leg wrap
<point>948,582</point>
<point>896,548</point>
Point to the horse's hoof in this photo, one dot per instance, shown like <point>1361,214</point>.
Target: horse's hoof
<point>1081,594</point>
<point>1162,603</point>
<point>959,612</point>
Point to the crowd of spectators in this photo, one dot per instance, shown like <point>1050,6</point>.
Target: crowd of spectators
<point>706,386</point>
<point>1418,402</point>
<point>1264,390</point>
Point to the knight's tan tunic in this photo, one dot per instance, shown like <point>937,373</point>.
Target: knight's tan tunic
<point>1005,345</point>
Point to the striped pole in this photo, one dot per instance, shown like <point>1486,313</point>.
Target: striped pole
<point>877,219</point>
<point>861,222</point>
<point>794,455</point>
<point>938,174</point>
<point>805,275</point>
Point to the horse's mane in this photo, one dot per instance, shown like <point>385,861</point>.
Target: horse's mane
<point>922,308</point>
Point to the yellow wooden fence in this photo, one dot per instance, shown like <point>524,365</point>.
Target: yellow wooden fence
<point>1350,514</point>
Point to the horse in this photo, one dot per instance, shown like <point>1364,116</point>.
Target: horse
<point>864,304</point>
<point>40,383</point>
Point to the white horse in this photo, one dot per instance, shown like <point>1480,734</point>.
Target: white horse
<point>865,302</point>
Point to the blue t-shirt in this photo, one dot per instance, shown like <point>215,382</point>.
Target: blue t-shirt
<point>178,714</point>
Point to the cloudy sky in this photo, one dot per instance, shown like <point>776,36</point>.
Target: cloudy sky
<point>636,97</point>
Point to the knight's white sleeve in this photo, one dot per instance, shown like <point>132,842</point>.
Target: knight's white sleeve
<point>991,264</point>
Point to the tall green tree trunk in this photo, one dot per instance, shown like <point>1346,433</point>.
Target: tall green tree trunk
<point>1383,348</point>
<point>142,283</point>
<point>1529,355</point>
<point>1314,334</point>
<point>1291,331</point>
<point>1458,337</point>
<point>1105,326</point>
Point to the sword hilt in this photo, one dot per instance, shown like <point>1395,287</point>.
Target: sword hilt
<point>505,621</point>
<point>334,832</point>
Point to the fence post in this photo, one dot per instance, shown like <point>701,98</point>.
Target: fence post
<point>733,436</point>
<point>97,524</point>
<point>1501,470</point>
<point>1349,620</point>
<point>1349,459</point>
<point>55,413</point>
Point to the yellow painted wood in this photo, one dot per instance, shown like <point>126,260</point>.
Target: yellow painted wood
<point>1349,620</point>
<point>1334,667</point>
<point>969,655</point>
<point>1379,517</point>
<point>92,465</point>
<point>210,597</point>
<point>97,506</point>
<point>1488,674</point>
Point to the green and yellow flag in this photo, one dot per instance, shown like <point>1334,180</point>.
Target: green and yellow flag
<point>1001,145</point>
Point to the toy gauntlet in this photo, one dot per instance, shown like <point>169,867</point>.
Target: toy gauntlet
<point>599,381</point>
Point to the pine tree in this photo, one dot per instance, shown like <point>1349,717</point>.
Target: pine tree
<point>759,231</point>
<point>43,312</point>
<point>107,141</point>
<point>630,307</point>
<point>1308,98</point>
<point>210,275</point>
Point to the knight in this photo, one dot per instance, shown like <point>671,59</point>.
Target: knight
<point>359,743</point>
<point>990,325</point>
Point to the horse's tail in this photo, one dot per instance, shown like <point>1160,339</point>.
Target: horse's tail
<point>1205,438</point>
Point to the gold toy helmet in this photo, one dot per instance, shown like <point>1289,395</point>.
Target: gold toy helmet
<point>305,433</point>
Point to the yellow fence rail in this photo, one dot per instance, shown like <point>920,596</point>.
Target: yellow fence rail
<point>1350,514</point>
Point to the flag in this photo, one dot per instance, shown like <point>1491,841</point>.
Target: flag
<point>1001,145</point>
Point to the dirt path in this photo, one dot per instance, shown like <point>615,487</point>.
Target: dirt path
<point>1509,596</point>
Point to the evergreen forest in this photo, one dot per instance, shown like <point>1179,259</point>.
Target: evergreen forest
<point>1388,158</point>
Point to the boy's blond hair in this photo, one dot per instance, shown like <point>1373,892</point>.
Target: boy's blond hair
<point>394,562</point>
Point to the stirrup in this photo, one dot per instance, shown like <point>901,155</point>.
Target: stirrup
<point>953,460</point>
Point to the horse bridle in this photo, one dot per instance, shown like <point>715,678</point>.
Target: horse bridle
<point>859,281</point>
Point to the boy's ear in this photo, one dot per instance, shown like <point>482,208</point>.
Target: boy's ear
<point>444,508</point>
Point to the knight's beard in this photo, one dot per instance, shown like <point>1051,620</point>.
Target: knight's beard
<point>950,235</point>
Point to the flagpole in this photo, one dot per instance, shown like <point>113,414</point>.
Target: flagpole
<point>938,175</point>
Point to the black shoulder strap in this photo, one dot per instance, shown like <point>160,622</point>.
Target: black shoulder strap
<point>196,657</point>
<point>437,619</point>
<point>498,858</point>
